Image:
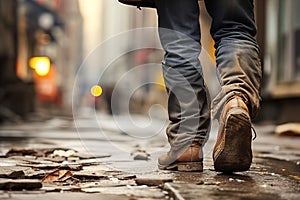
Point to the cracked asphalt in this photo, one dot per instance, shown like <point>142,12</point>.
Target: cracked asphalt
<point>108,158</point>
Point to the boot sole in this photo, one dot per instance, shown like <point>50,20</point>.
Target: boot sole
<point>184,167</point>
<point>236,154</point>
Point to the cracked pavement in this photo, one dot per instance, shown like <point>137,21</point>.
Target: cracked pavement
<point>54,159</point>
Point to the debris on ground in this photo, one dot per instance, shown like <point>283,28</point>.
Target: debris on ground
<point>56,172</point>
<point>126,176</point>
<point>63,153</point>
<point>156,181</point>
<point>84,176</point>
<point>33,152</point>
<point>288,129</point>
<point>237,180</point>
<point>11,172</point>
<point>19,184</point>
<point>58,175</point>
<point>54,169</point>
<point>140,154</point>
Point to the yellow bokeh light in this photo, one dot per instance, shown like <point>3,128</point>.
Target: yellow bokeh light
<point>96,91</point>
<point>41,65</point>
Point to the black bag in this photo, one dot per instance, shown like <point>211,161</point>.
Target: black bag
<point>139,3</point>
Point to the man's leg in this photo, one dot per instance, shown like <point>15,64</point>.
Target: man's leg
<point>188,100</point>
<point>239,70</point>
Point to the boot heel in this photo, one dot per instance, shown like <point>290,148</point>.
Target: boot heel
<point>190,167</point>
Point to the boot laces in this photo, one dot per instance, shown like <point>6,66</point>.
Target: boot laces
<point>254,133</point>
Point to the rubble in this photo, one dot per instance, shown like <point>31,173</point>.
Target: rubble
<point>58,175</point>
<point>89,176</point>
<point>288,129</point>
<point>152,181</point>
<point>20,152</point>
<point>69,173</point>
<point>126,176</point>
<point>19,184</point>
<point>15,174</point>
<point>60,188</point>
<point>86,156</point>
<point>63,153</point>
<point>41,166</point>
<point>140,155</point>
<point>237,180</point>
<point>38,152</point>
<point>12,172</point>
<point>73,167</point>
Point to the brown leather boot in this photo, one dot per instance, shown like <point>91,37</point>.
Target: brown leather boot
<point>139,3</point>
<point>232,151</point>
<point>189,159</point>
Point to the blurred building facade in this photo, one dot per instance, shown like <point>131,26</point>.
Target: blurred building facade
<point>15,95</point>
<point>279,39</point>
<point>47,28</point>
<point>114,23</point>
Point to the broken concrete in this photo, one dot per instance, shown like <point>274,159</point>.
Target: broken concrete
<point>288,129</point>
<point>155,181</point>
<point>12,172</point>
<point>19,184</point>
<point>57,175</point>
<point>139,154</point>
<point>99,171</point>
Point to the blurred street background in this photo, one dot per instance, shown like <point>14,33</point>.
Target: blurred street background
<point>81,86</point>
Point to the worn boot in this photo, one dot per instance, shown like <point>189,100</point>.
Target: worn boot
<point>139,3</point>
<point>189,160</point>
<point>232,151</point>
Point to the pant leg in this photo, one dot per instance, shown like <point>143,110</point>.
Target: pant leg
<point>188,100</point>
<point>238,65</point>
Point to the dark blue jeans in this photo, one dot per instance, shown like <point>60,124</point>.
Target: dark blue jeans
<point>238,65</point>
